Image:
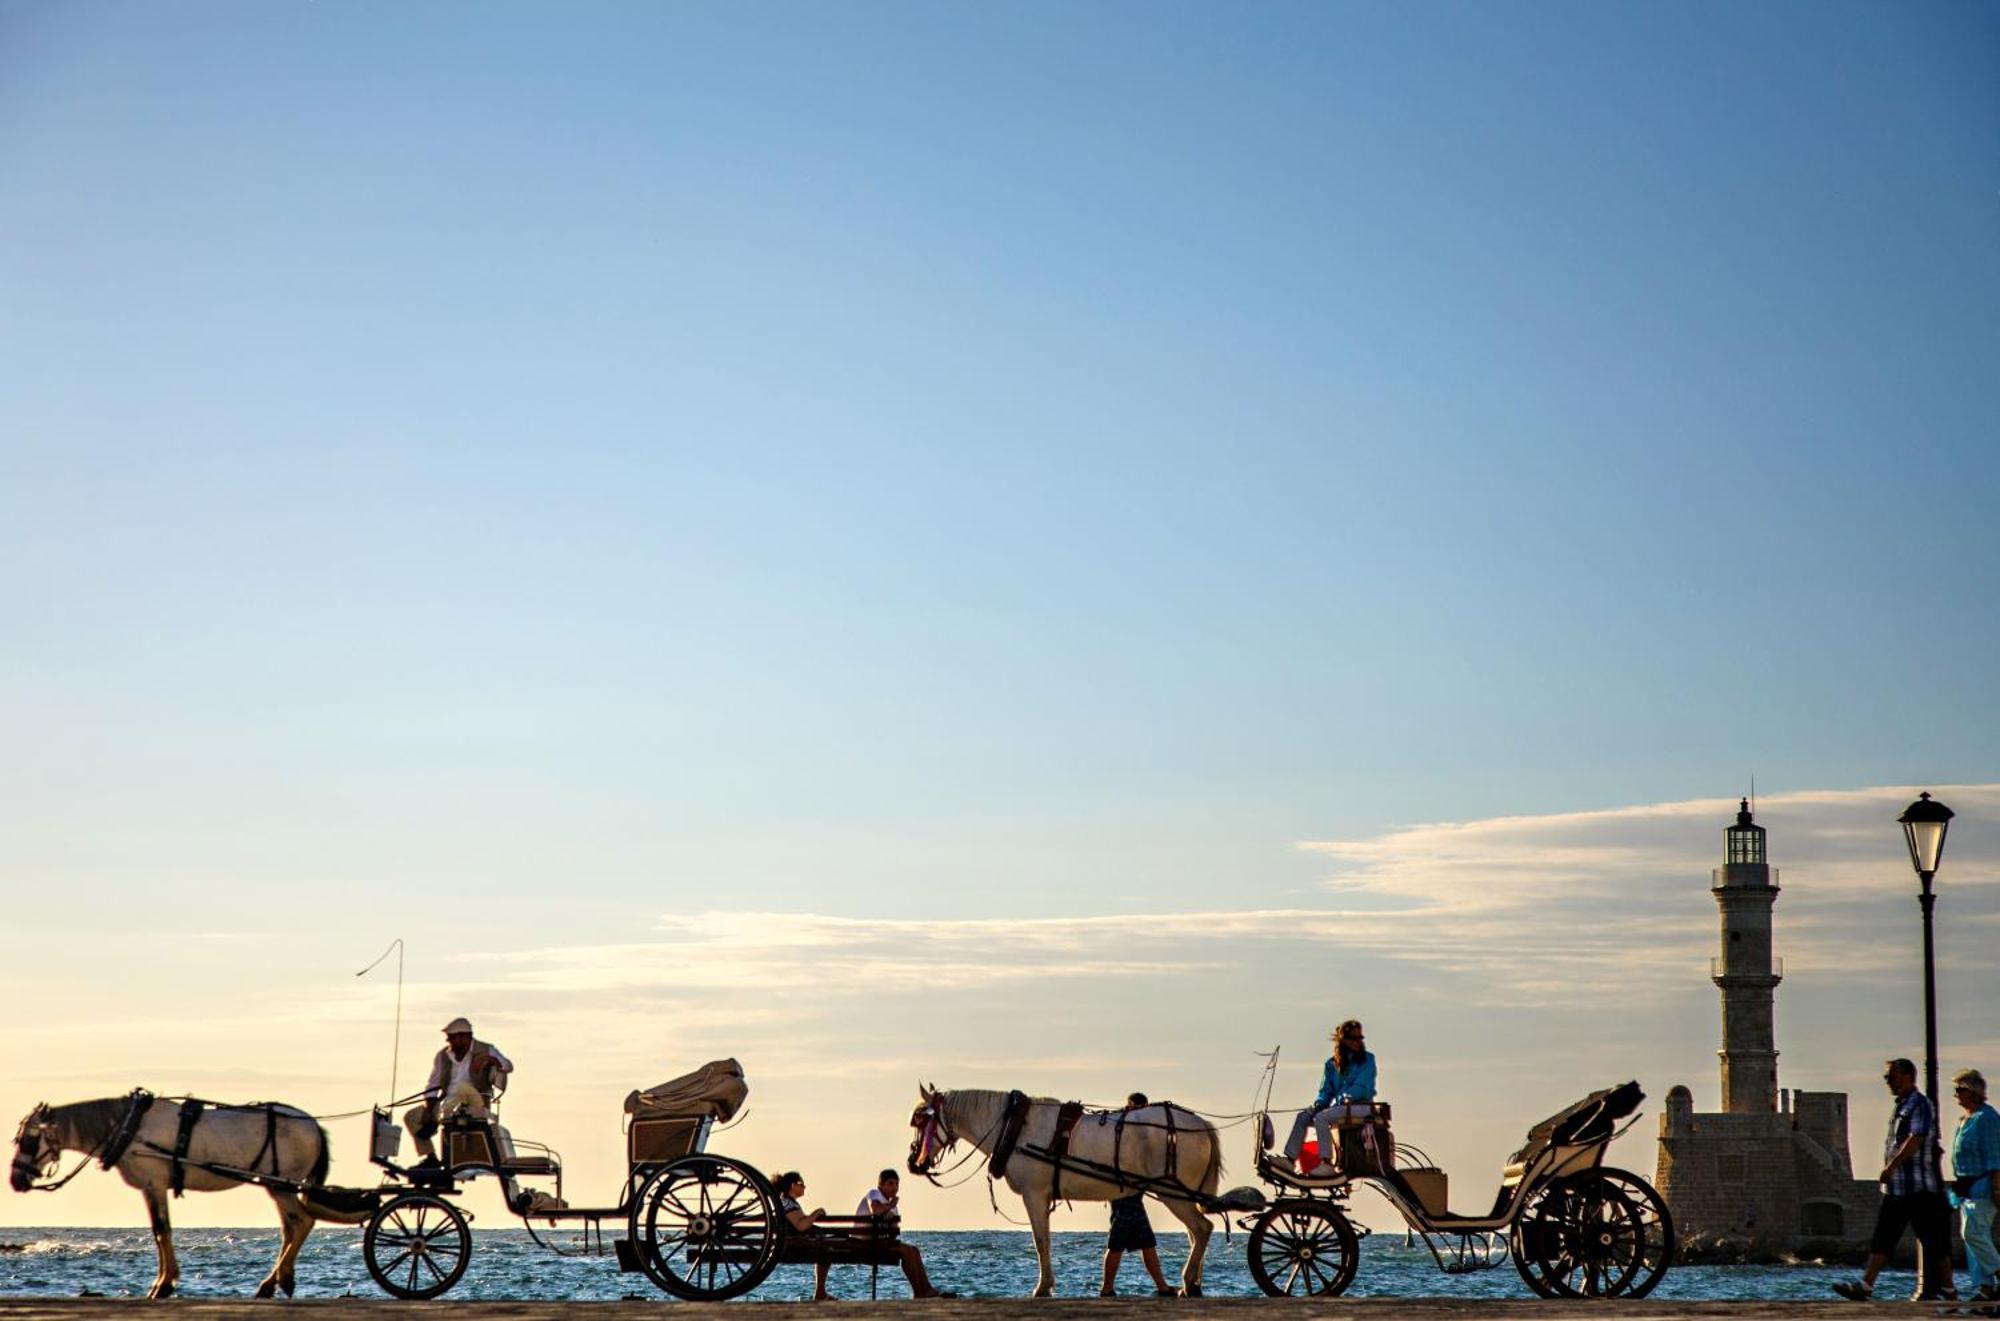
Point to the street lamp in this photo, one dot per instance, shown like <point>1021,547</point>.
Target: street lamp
<point>1924,824</point>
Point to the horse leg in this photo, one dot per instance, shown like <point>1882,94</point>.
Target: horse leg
<point>294,1224</point>
<point>1038,1219</point>
<point>288,1281</point>
<point>163,1243</point>
<point>1198,1230</point>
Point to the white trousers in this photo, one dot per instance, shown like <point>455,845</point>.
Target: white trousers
<point>1340,1113</point>
<point>1976,1225</point>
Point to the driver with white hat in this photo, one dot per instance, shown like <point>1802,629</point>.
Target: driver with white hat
<point>465,1075</point>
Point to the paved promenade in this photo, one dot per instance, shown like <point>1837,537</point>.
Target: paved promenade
<point>974,1309</point>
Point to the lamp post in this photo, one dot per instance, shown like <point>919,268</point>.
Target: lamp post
<point>1924,824</point>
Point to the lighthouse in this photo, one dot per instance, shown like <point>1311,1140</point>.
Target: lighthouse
<point>1770,1168</point>
<point>1745,891</point>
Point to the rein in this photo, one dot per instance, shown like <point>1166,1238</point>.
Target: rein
<point>81,1166</point>
<point>937,1114</point>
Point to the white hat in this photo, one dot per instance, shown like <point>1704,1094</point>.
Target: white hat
<point>458,1025</point>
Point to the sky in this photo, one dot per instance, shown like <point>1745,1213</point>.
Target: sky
<point>1028,546</point>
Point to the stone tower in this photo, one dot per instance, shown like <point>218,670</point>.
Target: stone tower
<point>1745,890</point>
<point>1770,1169</point>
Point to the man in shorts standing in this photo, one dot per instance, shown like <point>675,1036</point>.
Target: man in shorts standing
<point>1912,1194</point>
<point>1132,1231</point>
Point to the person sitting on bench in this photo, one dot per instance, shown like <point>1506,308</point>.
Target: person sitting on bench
<point>881,1205</point>
<point>1346,1096</point>
<point>792,1186</point>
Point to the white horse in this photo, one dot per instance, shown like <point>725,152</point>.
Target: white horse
<point>138,1136</point>
<point>1191,1157</point>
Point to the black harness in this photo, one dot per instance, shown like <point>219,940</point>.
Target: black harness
<point>1066,1117</point>
<point>1119,1119</point>
<point>136,1107</point>
<point>191,1111</point>
<point>190,1115</point>
<point>1010,1133</point>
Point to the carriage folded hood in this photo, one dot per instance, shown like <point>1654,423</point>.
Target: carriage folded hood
<point>1590,1120</point>
<point>715,1089</point>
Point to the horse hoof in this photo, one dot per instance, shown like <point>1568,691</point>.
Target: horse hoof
<point>1190,1291</point>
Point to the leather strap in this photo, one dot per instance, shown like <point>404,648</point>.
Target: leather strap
<point>190,1114</point>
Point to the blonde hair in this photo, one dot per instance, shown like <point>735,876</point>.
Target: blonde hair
<point>1972,1078</point>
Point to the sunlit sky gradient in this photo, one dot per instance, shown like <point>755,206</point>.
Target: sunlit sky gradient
<point>737,528</point>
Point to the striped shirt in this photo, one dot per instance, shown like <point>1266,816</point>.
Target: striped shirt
<point>1919,1171</point>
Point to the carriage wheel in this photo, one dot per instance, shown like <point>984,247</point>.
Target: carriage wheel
<point>1580,1237</point>
<point>417,1245</point>
<point>1656,1231</point>
<point>1300,1248</point>
<point>706,1228</point>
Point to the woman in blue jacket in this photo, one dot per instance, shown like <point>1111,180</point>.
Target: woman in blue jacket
<point>1346,1096</point>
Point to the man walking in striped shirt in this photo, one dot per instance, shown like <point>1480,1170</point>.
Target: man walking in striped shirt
<point>1912,1194</point>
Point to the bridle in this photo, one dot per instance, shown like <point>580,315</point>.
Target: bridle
<point>31,1140</point>
<point>930,1115</point>
<point>30,1167</point>
<point>924,1119</point>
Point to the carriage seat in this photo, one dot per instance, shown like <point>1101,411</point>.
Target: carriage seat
<point>658,1140</point>
<point>469,1141</point>
<point>673,1119</point>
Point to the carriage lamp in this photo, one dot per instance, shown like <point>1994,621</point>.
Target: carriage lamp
<point>1924,825</point>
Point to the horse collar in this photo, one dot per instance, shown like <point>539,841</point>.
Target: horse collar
<point>121,1137</point>
<point>1012,1120</point>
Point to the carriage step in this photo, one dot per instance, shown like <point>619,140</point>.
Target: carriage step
<point>628,1256</point>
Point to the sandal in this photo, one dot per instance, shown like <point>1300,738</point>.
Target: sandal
<point>1853,1290</point>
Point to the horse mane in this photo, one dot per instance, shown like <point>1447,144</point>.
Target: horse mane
<point>87,1123</point>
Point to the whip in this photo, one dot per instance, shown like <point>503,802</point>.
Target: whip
<point>396,1052</point>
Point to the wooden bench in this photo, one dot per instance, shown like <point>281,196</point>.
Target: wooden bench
<point>841,1241</point>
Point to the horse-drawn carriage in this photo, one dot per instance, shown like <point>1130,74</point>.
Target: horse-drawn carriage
<point>700,1226</point>
<point>1573,1227</point>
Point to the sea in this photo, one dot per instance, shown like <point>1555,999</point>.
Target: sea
<point>508,1264</point>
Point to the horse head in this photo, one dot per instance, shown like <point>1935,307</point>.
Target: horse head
<point>931,1139</point>
<point>37,1148</point>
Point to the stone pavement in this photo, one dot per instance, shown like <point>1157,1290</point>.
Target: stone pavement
<point>968,1309</point>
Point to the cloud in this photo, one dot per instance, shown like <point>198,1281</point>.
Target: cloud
<point>1526,907</point>
<point>1599,901</point>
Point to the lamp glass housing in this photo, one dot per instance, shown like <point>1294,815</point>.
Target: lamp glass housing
<point>1924,825</point>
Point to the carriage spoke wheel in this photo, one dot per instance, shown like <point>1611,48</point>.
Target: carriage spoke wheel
<point>1582,1237</point>
<point>417,1245</point>
<point>1655,1231</point>
<point>1300,1248</point>
<point>706,1228</point>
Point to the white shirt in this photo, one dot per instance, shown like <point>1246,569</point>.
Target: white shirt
<point>873,1200</point>
<point>459,1069</point>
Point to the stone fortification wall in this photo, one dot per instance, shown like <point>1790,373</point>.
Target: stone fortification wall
<point>1781,1181</point>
